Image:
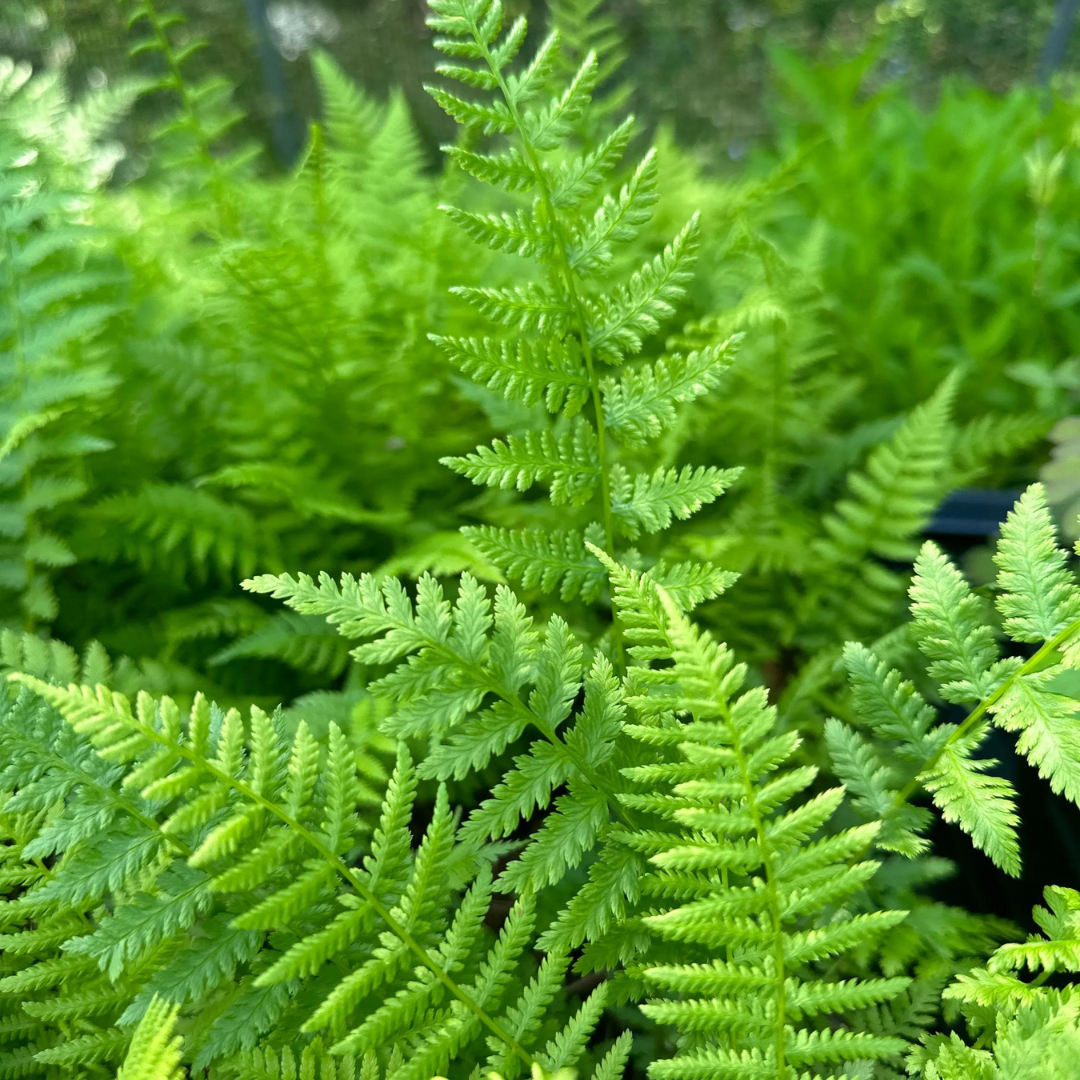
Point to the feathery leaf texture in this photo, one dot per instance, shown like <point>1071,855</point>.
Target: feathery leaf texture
<point>55,298</point>
<point>757,878</point>
<point>474,677</point>
<point>1040,604</point>
<point>571,316</point>
<point>210,810</point>
<point>889,505</point>
<point>155,1050</point>
<point>1023,1027</point>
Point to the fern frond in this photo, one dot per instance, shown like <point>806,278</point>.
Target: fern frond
<point>204,116</point>
<point>642,403</point>
<point>569,464</point>
<point>475,677</point>
<point>950,624</point>
<point>650,502</point>
<point>155,1049</point>
<point>546,560</point>
<point>890,504</point>
<point>531,373</point>
<point>571,319</point>
<point>1041,604</point>
<point>1038,594</point>
<point>730,799</point>
<point>172,527</point>
<point>1026,1028</point>
<point>618,325</point>
<point>267,822</point>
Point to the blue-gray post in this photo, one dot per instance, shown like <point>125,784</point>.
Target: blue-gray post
<point>1057,40</point>
<point>285,127</point>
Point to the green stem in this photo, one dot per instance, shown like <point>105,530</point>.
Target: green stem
<point>980,710</point>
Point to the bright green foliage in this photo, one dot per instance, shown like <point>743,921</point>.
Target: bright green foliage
<point>495,833</point>
<point>1024,1029</point>
<point>204,114</point>
<point>155,1050</point>
<point>755,876</point>
<point>473,679</point>
<point>70,135</point>
<point>584,313</point>
<point>337,269</point>
<point>938,246</point>
<point>1040,604</point>
<point>809,432</point>
<point>51,377</point>
<point>890,504</point>
<point>227,826</point>
<point>314,1061</point>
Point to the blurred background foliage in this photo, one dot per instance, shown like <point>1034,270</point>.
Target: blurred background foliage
<point>887,191</point>
<point>700,65</point>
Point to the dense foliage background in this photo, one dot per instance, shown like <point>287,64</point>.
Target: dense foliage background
<point>226,259</point>
<point>700,64</point>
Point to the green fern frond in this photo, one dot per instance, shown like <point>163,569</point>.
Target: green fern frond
<point>176,528</point>
<point>581,311</point>
<point>314,1062</point>
<point>155,1049</point>
<point>650,503</point>
<point>262,825</point>
<point>204,116</point>
<point>890,504</point>
<point>1026,1028</point>
<point>1038,597</point>
<point>640,405</point>
<point>449,658</point>
<point>753,872</point>
<point>1040,603</point>
<point>57,299</point>
<point>545,560</point>
<point>568,464</point>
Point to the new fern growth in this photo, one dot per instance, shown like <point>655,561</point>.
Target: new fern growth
<point>576,327</point>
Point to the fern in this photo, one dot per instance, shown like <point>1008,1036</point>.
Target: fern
<point>301,284</point>
<point>747,867</point>
<point>1040,604</point>
<point>54,303</point>
<point>1024,1028</point>
<point>890,505</point>
<point>71,135</point>
<point>451,659</point>
<point>155,1050</point>
<point>563,832</point>
<point>205,790</point>
<point>313,1061</point>
<point>580,316</point>
<point>204,117</point>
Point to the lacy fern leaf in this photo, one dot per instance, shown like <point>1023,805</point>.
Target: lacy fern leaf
<point>1040,604</point>
<point>576,315</point>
